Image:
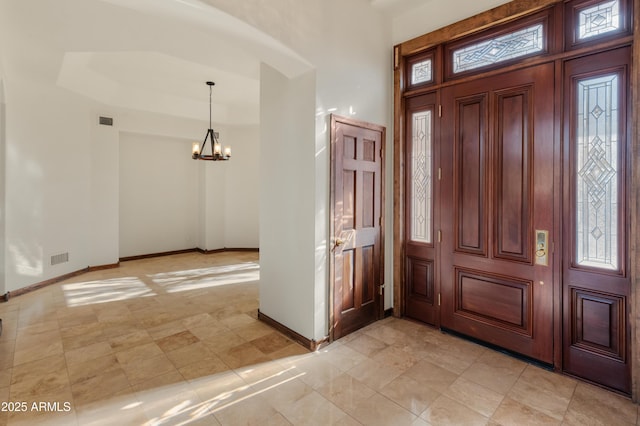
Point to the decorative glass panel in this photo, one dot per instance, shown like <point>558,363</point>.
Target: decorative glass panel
<point>421,177</point>
<point>597,172</point>
<point>421,72</point>
<point>513,45</point>
<point>599,19</point>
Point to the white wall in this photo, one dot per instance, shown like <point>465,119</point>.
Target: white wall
<point>432,16</point>
<point>213,190</point>
<point>287,219</point>
<point>224,212</point>
<point>242,196</point>
<point>158,194</point>
<point>47,177</point>
<point>103,229</point>
<point>224,196</point>
<point>48,180</point>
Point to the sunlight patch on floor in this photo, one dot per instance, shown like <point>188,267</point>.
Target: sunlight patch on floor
<point>195,279</point>
<point>104,291</point>
<point>230,393</point>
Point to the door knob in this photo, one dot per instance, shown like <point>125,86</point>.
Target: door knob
<point>339,242</point>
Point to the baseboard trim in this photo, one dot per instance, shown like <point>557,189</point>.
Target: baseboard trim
<point>388,313</point>
<point>42,284</point>
<point>250,249</point>
<point>311,344</point>
<point>203,251</point>
<point>191,250</point>
<point>102,267</point>
<point>158,254</point>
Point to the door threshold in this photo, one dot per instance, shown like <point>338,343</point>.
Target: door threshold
<point>512,354</point>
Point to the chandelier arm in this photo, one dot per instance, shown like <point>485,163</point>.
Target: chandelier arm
<point>210,133</point>
<point>204,143</point>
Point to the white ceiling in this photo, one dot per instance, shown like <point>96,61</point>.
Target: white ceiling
<point>156,55</point>
<point>399,7</point>
<point>148,55</point>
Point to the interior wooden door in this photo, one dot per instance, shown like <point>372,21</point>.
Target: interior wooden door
<point>421,281</point>
<point>356,157</point>
<point>596,284</point>
<point>497,195</point>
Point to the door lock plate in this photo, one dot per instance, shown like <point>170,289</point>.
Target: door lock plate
<point>542,247</point>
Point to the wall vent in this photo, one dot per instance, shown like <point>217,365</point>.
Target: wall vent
<point>106,121</point>
<point>59,258</point>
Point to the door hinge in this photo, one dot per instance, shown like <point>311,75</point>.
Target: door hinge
<point>439,173</point>
<point>381,153</point>
<point>396,57</point>
<point>380,221</point>
<point>439,299</point>
<point>381,290</point>
<point>439,236</point>
<point>439,110</point>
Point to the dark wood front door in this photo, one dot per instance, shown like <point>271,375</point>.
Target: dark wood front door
<point>596,284</point>
<point>357,271</point>
<point>497,203</point>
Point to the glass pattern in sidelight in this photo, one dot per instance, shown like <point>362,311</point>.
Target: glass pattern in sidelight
<point>599,19</point>
<point>513,45</point>
<point>597,172</point>
<point>422,72</point>
<point>421,177</point>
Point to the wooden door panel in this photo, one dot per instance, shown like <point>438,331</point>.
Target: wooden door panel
<point>368,275</point>
<point>598,322</point>
<point>495,300</point>
<point>596,343</point>
<point>368,199</point>
<point>348,280</point>
<point>349,149</point>
<point>470,172</point>
<point>513,170</point>
<point>492,289</point>
<point>420,289</point>
<point>348,199</point>
<point>356,153</point>
<point>369,150</point>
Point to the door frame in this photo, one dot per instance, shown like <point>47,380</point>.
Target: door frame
<point>494,17</point>
<point>334,120</point>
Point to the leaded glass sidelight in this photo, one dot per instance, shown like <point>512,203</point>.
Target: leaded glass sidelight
<point>599,19</point>
<point>422,72</point>
<point>597,172</point>
<point>421,177</point>
<point>513,45</point>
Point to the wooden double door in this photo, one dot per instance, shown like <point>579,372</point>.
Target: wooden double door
<point>509,190</point>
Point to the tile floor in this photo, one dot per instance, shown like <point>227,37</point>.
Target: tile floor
<point>175,341</point>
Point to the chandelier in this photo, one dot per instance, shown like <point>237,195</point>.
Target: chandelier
<point>216,149</point>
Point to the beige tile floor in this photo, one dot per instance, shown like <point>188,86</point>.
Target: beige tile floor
<point>175,341</point>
